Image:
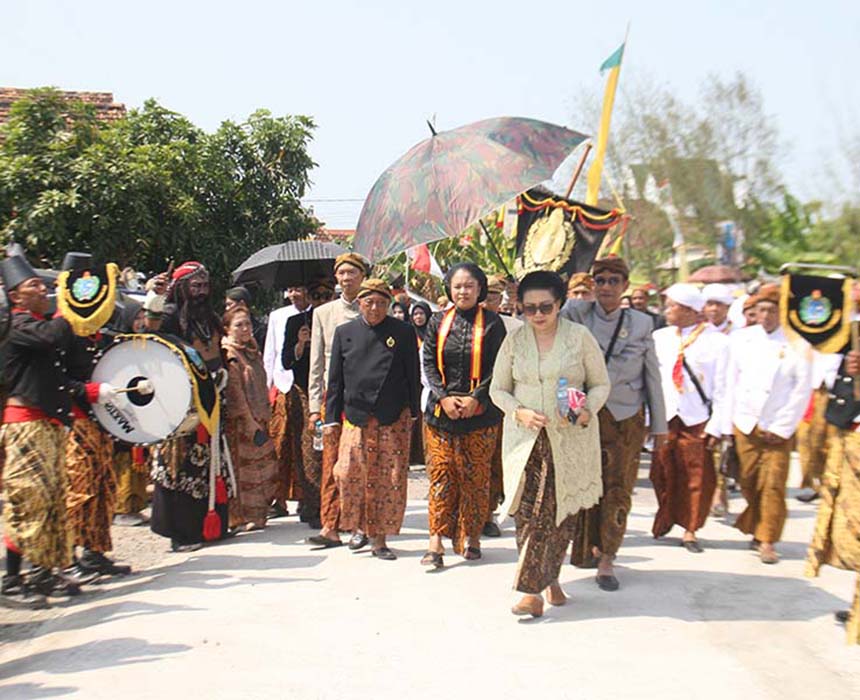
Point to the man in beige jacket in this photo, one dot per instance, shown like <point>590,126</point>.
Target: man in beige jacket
<point>350,269</point>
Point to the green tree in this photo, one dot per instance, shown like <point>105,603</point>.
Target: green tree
<point>151,186</point>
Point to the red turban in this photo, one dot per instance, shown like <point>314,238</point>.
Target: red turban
<point>187,268</point>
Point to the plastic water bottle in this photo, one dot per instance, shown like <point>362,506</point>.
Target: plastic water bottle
<point>561,398</point>
<point>318,441</point>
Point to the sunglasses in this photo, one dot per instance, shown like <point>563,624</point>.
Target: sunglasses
<point>545,308</point>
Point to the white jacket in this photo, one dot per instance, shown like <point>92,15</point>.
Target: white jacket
<point>768,382</point>
<point>707,358</point>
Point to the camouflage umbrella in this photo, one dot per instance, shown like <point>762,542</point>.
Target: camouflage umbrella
<point>446,183</point>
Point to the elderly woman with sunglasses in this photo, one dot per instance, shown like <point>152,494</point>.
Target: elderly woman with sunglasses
<point>551,453</point>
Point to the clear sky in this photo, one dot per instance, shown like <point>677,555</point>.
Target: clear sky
<point>370,73</point>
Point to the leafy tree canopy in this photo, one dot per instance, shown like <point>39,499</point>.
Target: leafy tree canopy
<point>151,186</point>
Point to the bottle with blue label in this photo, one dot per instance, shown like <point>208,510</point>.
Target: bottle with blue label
<point>561,401</point>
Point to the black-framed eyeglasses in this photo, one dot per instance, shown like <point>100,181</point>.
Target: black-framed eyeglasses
<point>608,281</point>
<point>545,308</point>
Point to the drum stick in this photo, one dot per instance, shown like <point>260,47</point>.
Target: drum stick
<point>855,346</point>
<point>142,384</point>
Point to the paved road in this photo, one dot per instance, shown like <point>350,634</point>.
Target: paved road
<point>264,617</point>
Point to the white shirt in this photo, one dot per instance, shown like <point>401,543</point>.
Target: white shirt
<point>707,358</point>
<point>768,382</point>
<point>825,368</point>
<point>276,375</point>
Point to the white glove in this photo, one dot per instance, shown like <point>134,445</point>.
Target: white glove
<point>106,392</point>
<point>144,387</point>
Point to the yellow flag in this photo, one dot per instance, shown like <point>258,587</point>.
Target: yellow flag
<point>595,172</point>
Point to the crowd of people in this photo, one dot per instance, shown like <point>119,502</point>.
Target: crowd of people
<point>537,409</point>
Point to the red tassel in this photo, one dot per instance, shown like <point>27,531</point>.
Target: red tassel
<point>137,455</point>
<point>211,526</point>
<point>220,491</point>
<point>202,435</point>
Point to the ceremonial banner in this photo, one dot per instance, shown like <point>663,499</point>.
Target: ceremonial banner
<point>86,298</point>
<point>818,309</point>
<point>560,234</point>
<point>595,172</point>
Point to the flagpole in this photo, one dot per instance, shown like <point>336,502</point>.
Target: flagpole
<point>578,170</point>
<point>406,270</point>
<point>496,250</point>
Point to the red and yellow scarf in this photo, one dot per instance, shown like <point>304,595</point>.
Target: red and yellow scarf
<point>678,368</point>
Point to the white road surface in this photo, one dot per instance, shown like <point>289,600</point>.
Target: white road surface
<point>264,617</point>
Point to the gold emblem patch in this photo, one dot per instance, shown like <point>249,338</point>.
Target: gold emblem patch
<point>390,342</point>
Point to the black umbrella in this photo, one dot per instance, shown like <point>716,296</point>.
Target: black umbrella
<point>290,264</point>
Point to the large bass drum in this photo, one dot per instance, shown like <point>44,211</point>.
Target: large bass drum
<point>175,372</point>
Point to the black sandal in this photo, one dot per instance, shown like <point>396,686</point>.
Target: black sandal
<point>433,559</point>
<point>384,553</point>
<point>472,553</point>
<point>321,542</point>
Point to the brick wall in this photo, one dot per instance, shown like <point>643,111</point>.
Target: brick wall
<point>106,108</point>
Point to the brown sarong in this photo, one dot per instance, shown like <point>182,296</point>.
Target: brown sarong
<point>836,538</point>
<point>764,473</point>
<point>309,464</point>
<point>329,498</point>
<point>285,428</point>
<point>34,492</point>
<point>91,495</point>
<point>604,525</point>
<point>813,438</point>
<point>372,473</point>
<point>458,467</point>
<point>540,541</point>
<point>497,478</point>
<point>682,472</point>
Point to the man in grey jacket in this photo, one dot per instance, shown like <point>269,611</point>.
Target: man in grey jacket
<point>624,336</point>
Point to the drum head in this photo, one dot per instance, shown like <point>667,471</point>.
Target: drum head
<point>139,419</point>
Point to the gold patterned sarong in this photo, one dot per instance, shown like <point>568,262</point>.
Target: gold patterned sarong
<point>91,496</point>
<point>836,539</point>
<point>34,491</point>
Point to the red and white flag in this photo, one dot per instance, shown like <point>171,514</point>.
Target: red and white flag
<point>422,260</point>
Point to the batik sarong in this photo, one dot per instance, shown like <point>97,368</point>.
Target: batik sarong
<point>285,428</point>
<point>813,438</point>
<point>764,473</point>
<point>372,474</point>
<point>329,498</point>
<point>540,541</point>
<point>497,478</point>
<point>34,492</point>
<point>91,494</point>
<point>682,472</point>
<point>458,467</point>
<point>836,538</point>
<point>604,525</point>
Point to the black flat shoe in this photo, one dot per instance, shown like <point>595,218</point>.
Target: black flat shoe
<point>16,594</point>
<point>607,583</point>
<point>321,542</point>
<point>80,575</point>
<point>491,529</point>
<point>384,553</point>
<point>433,559</point>
<point>808,496</point>
<point>692,546</point>
<point>358,541</point>
<point>99,563</point>
<point>842,616</point>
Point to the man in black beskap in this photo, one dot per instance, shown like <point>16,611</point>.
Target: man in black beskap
<point>373,393</point>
